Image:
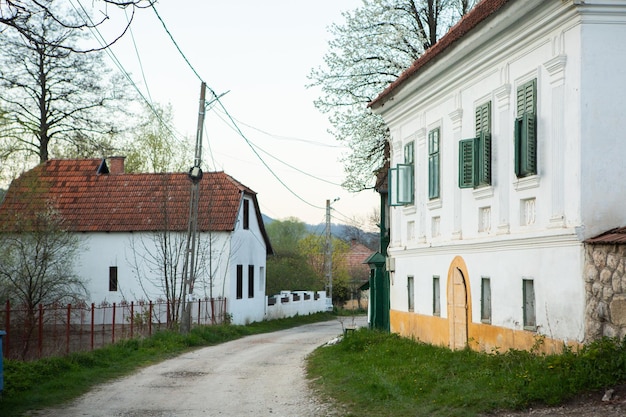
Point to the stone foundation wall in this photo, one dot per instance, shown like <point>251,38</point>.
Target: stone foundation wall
<point>605,291</point>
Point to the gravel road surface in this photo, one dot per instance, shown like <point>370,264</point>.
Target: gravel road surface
<point>261,375</point>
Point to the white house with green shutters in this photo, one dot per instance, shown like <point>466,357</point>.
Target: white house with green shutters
<point>507,154</point>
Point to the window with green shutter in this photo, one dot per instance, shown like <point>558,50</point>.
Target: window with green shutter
<point>433,164</point>
<point>475,153</point>
<point>526,130</point>
<point>401,179</point>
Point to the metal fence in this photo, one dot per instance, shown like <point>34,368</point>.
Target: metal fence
<point>56,330</point>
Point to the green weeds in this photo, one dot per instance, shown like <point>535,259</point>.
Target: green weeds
<point>376,374</point>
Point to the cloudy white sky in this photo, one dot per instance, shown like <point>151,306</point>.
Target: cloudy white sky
<point>259,53</point>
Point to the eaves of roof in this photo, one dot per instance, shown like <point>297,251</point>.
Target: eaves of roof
<point>471,20</point>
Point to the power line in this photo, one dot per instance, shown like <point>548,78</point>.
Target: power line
<point>98,36</point>
<point>283,162</point>
<point>232,120</point>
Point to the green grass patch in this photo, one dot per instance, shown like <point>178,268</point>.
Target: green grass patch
<point>378,374</point>
<point>53,381</point>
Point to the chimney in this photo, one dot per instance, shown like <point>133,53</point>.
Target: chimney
<point>116,164</point>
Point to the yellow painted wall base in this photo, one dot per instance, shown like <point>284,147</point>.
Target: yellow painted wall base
<point>481,337</point>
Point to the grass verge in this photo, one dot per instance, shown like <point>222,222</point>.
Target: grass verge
<point>377,374</point>
<point>52,381</point>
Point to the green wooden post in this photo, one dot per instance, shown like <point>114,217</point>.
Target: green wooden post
<point>379,292</point>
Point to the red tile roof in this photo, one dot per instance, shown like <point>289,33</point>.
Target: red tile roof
<point>117,202</point>
<point>356,257</point>
<point>477,15</point>
<point>613,236</point>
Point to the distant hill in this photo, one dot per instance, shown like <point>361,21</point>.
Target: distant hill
<point>341,231</point>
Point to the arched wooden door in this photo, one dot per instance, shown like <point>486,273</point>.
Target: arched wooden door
<point>457,309</point>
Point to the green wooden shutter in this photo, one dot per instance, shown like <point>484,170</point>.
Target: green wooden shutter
<point>528,161</point>
<point>466,163</point>
<point>526,130</point>
<point>483,118</point>
<point>483,169</point>
<point>518,146</point>
<point>433,164</point>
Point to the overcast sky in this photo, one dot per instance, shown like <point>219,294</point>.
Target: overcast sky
<point>259,53</point>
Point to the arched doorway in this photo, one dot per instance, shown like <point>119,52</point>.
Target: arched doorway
<point>459,304</point>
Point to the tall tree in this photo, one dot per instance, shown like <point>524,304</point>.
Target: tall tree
<point>18,16</point>
<point>369,50</point>
<point>154,147</point>
<point>288,268</point>
<point>312,248</point>
<point>37,254</point>
<point>52,94</point>
<point>285,234</point>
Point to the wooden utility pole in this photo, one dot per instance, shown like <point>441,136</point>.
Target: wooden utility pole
<point>329,254</point>
<point>195,175</point>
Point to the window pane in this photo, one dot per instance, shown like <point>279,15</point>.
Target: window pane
<point>436,297</point>
<point>433,176</point>
<point>405,184</point>
<point>530,322</point>
<point>246,214</point>
<point>401,185</point>
<point>485,302</point>
<point>113,278</point>
<point>411,293</point>
<point>409,152</point>
<point>250,281</point>
<point>239,282</point>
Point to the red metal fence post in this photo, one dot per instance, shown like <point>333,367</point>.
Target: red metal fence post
<point>67,329</point>
<point>113,328</point>
<point>40,344</point>
<point>150,320</point>
<point>7,326</point>
<point>132,317</point>
<point>93,311</point>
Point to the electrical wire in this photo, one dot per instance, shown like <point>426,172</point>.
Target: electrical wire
<point>281,161</point>
<point>98,36</point>
<point>143,74</point>
<point>234,124</point>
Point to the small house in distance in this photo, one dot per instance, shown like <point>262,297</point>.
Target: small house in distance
<point>133,229</point>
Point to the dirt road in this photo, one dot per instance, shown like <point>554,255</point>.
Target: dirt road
<point>260,375</point>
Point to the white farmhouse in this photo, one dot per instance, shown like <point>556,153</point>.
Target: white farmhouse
<point>507,155</point>
<point>126,222</point>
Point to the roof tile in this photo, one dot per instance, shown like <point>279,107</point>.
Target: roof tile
<point>94,202</point>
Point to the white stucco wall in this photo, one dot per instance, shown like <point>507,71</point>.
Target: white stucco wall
<point>247,248</point>
<point>140,279</point>
<point>572,52</point>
